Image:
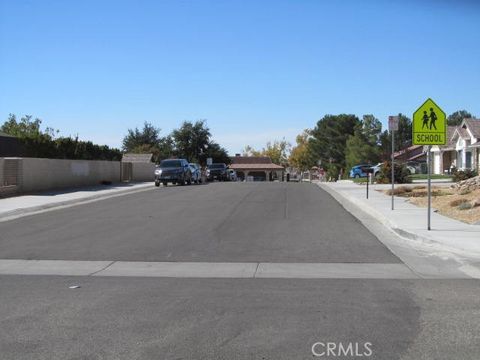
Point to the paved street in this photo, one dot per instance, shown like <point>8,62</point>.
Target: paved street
<point>220,222</point>
<point>310,274</point>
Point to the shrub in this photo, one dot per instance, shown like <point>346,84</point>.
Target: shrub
<point>460,175</point>
<point>457,202</point>
<point>418,194</point>
<point>332,173</point>
<point>465,206</point>
<point>401,173</point>
<point>397,191</point>
<point>464,192</point>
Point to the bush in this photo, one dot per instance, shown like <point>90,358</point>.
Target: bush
<point>465,206</point>
<point>332,173</point>
<point>460,175</point>
<point>397,191</point>
<point>401,173</point>
<point>457,202</point>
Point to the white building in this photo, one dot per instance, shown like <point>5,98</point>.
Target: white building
<point>462,149</point>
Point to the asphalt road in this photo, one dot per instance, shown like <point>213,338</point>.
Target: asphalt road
<point>219,222</point>
<point>209,318</point>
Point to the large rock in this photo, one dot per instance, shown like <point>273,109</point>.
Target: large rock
<point>476,202</point>
<point>467,185</point>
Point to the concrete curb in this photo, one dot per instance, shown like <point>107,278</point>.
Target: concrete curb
<point>21,212</point>
<point>394,227</point>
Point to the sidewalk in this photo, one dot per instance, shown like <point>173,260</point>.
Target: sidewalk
<point>410,221</point>
<point>17,206</point>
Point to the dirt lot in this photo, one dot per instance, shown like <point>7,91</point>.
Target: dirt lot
<point>445,200</point>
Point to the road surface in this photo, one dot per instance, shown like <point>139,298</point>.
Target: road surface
<point>222,271</point>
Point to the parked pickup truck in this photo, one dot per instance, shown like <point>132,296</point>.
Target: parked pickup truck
<point>217,171</point>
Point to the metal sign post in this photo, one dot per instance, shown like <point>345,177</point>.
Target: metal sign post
<point>429,160</point>
<point>429,127</point>
<point>392,126</point>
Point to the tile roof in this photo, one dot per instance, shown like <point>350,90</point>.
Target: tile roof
<point>270,166</point>
<point>251,160</point>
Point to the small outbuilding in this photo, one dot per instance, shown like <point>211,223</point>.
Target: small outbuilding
<point>256,168</point>
<point>137,167</point>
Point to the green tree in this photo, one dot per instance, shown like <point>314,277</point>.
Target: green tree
<point>149,135</point>
<point>371,129</point>
<point>27,127</point>
<point>277,151</point>
<point>403,137</point>
<point>191,140</point>
<point>301,156</point>
<point>148,140</point>
<point>457,117</point>
<point>216,152</point>
<point>363,145</point>
<point>329,140</point>
<point>43,144</point>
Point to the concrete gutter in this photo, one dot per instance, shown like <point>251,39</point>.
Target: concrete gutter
<point>19,206</point>
<point>410,221</point>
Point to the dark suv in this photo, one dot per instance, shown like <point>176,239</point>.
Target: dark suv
<point>175,171</point>
<point>217,171</point>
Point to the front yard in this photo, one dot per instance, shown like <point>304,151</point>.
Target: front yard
<point>463,205</point>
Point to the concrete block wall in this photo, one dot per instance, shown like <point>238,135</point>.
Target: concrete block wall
<point>48,174</point>
<point>143,171</point>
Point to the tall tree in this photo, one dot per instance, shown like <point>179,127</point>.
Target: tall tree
<point>148,140</point>
<point>216,152</point>
<point>135,138</point>
<point>191,139</point>
<point>277,151</point>
<point>457,117</point>
<point>26,127</point>
<point>403,137</point>
<point>363,145</point>
<point>371,128</point>
<point>301,156</point>
<point>329,139</point>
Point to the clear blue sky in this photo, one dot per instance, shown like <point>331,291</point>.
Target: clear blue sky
<point>256,70</point>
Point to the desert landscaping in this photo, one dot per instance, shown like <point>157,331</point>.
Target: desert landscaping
<point>460,201</point>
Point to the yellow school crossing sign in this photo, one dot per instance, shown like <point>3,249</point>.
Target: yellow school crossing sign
<point>429,125</point>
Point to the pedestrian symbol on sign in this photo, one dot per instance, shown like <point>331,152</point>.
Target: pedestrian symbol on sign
<point>433,118</point>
